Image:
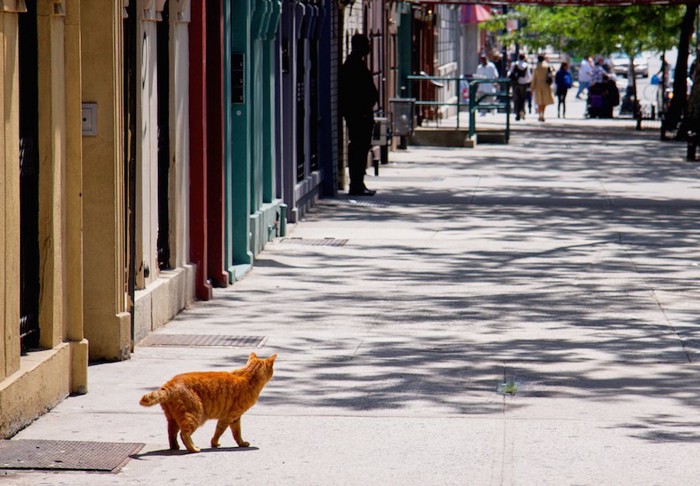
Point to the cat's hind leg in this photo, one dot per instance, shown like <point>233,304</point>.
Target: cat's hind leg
<point>236,429</point>
<point>221,426</point>
<point>187,440</point>
<point>173,428</point>
<point>187,428</point>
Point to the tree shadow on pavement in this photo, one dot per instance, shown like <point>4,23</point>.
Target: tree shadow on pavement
<point>571,269</point>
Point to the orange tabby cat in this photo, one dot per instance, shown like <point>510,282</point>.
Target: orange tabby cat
<point>190,399</point>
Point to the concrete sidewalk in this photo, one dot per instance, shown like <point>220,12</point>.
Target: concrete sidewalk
<point>565,262</point>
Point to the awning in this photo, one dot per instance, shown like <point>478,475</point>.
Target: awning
<point>584,3</point>
<point>573,3</point>
<point>474,14</point>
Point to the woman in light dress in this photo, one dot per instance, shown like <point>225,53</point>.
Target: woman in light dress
<point>541,85</point>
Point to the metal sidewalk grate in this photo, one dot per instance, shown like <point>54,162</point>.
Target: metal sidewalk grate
<point>399,178</point>
<point>203,340</point>
<point>367,203</point>
<point>66,455</point>
<point>317,242</point>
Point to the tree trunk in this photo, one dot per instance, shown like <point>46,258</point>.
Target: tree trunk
<point>692,118</point>
<point>632,78</point>
<point>680,86</point>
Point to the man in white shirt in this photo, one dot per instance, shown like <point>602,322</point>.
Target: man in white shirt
<point>585,74</point>
<point>485,70</point>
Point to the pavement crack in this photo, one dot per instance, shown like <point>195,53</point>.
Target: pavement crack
<point>357,348</point>
<point>659,305</point>
<point>684,343</point>
<point>476,188</point>
<point>505,380</point>
<point>607,194</point>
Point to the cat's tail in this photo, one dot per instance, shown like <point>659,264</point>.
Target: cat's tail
<point>150,399</point>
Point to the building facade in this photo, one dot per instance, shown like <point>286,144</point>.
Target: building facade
<point>40,190</point>
<point>151,149</point>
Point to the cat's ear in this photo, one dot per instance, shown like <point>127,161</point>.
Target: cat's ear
<point>272,358</point>
<point>253,356</point>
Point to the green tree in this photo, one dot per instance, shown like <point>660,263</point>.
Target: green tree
<point>677,111</point>
<point>581,31</point>
<point>600,30</point>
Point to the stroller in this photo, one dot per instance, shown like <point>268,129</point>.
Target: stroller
<point>628,105</point>
<point>602,98</point>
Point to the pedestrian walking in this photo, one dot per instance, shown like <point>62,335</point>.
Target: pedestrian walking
<point>599,71</point>
<point>563,82</point>
<point>358,95</point>
<point>485,70</point>
<point>541,85</point>
<point>499,60</point>
<point>520,78</point>
<point>585,73</point>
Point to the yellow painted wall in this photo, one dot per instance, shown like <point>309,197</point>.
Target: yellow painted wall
<point>106,321</point>
<point>32,384</point>
<point>73,190</point>
<point>9,194</point>
<point>52,161</point>
<point>40,384</point>
<point>60,214</point>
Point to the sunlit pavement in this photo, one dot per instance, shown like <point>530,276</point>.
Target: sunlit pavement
<point>521,314</point>
<point>574,114</point>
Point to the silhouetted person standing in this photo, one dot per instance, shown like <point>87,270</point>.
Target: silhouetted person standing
<point>358,95</point>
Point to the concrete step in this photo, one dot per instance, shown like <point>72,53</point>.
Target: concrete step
<point>441,137</point>
<point>452,137</point>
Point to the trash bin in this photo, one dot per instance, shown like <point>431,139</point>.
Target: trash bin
<point>404,119</point>
<point>404,116</point>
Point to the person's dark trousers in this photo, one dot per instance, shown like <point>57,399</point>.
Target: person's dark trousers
<point>360,135</point>
<point>519,98</point>
<point>561,105</point>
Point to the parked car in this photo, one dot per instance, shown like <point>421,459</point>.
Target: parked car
<point>621,65</point>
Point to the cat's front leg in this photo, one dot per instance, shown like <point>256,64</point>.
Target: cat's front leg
<point>236,429</point>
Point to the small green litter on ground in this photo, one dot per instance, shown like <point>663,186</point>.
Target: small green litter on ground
<point>508,388</point>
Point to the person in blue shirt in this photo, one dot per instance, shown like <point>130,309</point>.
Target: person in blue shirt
<point>563,81</point>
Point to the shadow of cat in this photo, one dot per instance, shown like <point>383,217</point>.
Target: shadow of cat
<point>184,452</point>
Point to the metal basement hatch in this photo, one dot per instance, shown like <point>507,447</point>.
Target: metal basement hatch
<point>373,203</point>
<point>315,242</point>
<point>203,340</point>
<point>66,455</point>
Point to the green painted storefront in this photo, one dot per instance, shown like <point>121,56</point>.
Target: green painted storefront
<point>252,207</point>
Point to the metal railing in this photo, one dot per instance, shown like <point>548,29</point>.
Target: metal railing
<point>438,82</point>
<point>499,99</point>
